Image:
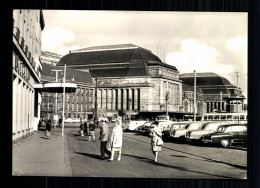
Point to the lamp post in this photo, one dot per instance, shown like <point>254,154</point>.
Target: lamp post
<point>167,97</point>
<point>95,110</point>
<point>56,100</point>
<point>129,110</point>
<point>195,94</point>
<point>63,106</point>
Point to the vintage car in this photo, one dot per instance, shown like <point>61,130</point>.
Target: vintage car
<point>179,134</point>
<point>134,124</point>
<point>174,126</point>
<point>145,128</point>
<point>228,135</point>
<point>207,128</point>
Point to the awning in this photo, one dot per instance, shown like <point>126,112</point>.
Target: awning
<point>55,87</point>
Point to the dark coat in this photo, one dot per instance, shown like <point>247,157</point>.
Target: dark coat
<point>48,125</point>
<point>86,126</point>
<point>82,127</point>
<point>91,127</point>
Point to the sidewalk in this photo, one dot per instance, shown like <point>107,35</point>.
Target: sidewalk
<point>38,156</point>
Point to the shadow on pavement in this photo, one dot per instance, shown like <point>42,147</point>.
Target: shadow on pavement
<point>83,140</point>
<point>179,156</point>
<point>94,156</point>
<point>171,166</point>
<point>76,134</point>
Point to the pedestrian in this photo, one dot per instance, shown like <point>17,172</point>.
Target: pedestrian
<point>116,140</point>
<point>91,131</point>
<point>156,140</point>
<point>48,128</point>
<point>103,141</point>
<point>60,122</point>
<point>82,128</point>
<point>86,125</point>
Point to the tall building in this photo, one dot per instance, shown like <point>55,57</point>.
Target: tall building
<point>27,68</point>
<point>130,79</point>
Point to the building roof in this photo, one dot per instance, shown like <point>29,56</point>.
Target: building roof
<point>191,89</point>
<point>204,79</point>
<point>115,60</point>
<point>79,76</point>
<point>106,47</point>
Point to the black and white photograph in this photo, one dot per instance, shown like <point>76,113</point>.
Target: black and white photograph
<point>130,94</point>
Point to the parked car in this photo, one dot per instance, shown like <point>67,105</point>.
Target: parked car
<point>145,128</point>
<point>173,126</point>
<point>134,124</point>
<point>163,124</point>
<point>228,135</point>
<point>207,128</point>
<point>179,134</point>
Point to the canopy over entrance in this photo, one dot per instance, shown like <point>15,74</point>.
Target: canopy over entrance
<point>55,87</point>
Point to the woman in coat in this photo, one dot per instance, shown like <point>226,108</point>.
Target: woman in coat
<point>48,128</point>
<point>116,140</point>
<point>82,127</point>
<point>156,140</point>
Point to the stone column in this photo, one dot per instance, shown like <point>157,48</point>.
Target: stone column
<point>135,99</point>
<point>32,107</point>
<point>124,100</point>
<point>119,100</point>
<point>130,97</point>
<point>105,99</point>
<point>113,99</point>
<point>14,117</point>
<point>109,99</point>
<point>99,98</point>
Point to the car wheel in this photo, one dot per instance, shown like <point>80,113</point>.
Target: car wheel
<point>188,140</point>
<point>225,143</point>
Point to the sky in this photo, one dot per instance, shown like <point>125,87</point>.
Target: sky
<point>201,41</point>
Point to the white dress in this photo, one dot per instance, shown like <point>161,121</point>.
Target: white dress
<point>117,137</point>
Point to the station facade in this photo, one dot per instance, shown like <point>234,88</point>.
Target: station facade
<point>130,79</point>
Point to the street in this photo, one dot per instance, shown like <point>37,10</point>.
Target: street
<point>176,160</point>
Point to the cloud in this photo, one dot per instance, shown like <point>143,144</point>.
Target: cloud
<point>197,56</point>
<point>237,44</point>
<point>55,38</point>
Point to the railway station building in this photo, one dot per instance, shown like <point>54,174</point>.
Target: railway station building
<point>130,79</point>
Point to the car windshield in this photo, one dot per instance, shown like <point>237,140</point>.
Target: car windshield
<point>193,125</point>
<point>210,126</point>
<point>221,129</point>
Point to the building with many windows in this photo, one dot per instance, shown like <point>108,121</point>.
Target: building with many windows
<point>130,79</point>
<point>78,104</point>
<point>27,28</point>
<point>218,93</point>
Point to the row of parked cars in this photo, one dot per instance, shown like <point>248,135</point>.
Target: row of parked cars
<point>215,132</point>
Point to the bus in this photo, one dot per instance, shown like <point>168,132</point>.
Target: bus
<point>236,117</point>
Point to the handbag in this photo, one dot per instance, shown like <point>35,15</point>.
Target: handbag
<point>159,142</point>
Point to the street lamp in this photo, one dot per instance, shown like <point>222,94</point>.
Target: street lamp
<point>129,110</point>
<point>167,97</point>
<point>63,106</point>
<point>95,110</point>
<point>195,95</point>
<point>56,100</point>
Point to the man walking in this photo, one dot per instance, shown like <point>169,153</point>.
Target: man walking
<point>91,131</point>
<point>103,140</point>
